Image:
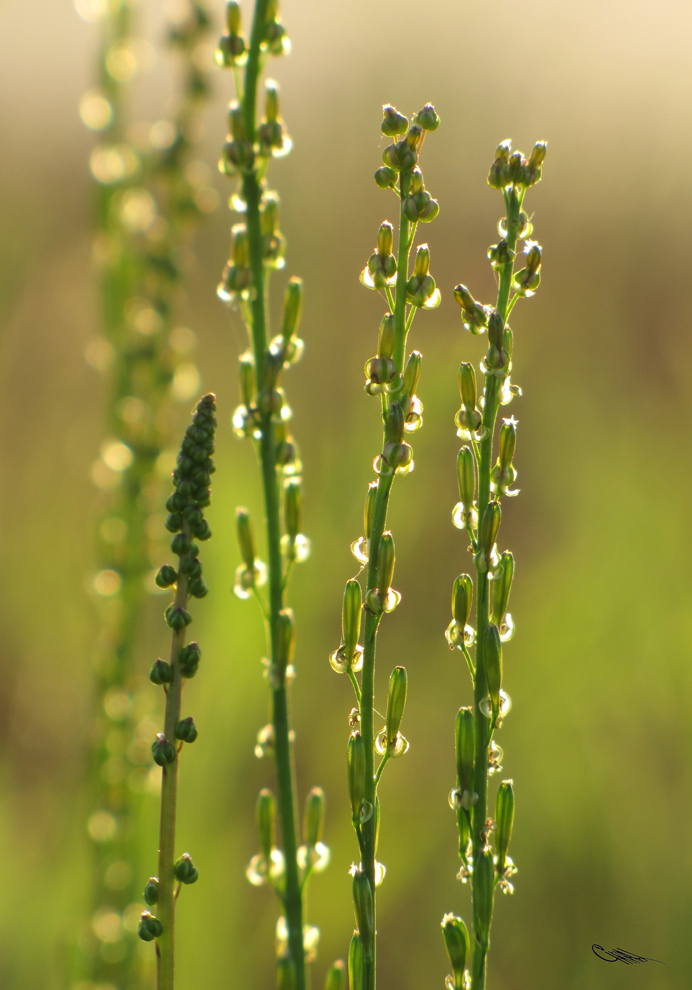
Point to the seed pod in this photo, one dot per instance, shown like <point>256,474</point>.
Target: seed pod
<point>464,739</point>
<point>161,672</point>
<point>412,372</point>
<point>149,927</point>
<point>351,617</point>
<point>186,730</point>
<point>393,122</point>
<point>293,301</point>
<point>356,773</point>
<point>458,944</point>
<point>314,816</point>
<point>489,527</point>
<point>394,430</point>
<point>483,889</point>
<point>502,587</point>
<point>466,477</point>
<point>421,264</point>
<point>385,177</point>
<point>188,659</point>
<point>180,544</point>
<point>508,443</point>
<point>166,576</point>
<point>385,560</point>
<point>504,818</point>
<point>293,507</point>
<point>336,976</point>
<point>427,118</point>
<point>398,684</point>
<point>496,328</point>
<point>387,338</point>
<point>163,751</point>
<point>385,239</point>
<point>355,963</point>
<point>184,870</point>
<point>492,657</point>
<point>284,639</point>
<point>246,538</point>
<point>365,912</point>
<point>285,974</point>
<point>462,597</point>
<point>467,385</point>
<point>266,821</point>
<point>151,891</point>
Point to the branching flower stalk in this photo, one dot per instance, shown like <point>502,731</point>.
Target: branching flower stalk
<point>393,376</point>
<point>484,481</point>
<point>191,479</point>
<point>264,416</point>
<point>148,193</point>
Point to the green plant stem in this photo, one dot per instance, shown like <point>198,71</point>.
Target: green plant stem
<point>293,900</point>
<point>165,910</point>
<point>482,724</point>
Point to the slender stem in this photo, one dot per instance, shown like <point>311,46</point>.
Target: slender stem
<point>165,910</point>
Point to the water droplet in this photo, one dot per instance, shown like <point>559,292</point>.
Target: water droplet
<point>454,799</point>
<point>359,549</point>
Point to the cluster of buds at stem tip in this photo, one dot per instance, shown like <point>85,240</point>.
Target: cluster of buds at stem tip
<point>383,598</point>
<point>390,741</point>
<point>513,169</point>
<point>232,51</point>
<point>349,655</point>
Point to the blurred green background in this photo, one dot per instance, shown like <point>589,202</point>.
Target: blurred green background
<point>599,738</point>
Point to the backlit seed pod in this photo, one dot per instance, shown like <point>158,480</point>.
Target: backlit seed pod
<point>385,239</point>
<point>365,912</point>
<point>351,617</point>
<point>149,927</point>
<point>466,476</point>
<point>233,17</point>
<point>462,597</point>
<point>500,255</point>
<point>284,639</point>
<point>502,587</point>
<point>490,525</point>
<point>385,177</point>
<point>483,888</point>
<point>394,429</point>
<point>393,122</point>
<point>151,891</point>
<point>467,385</point>
<point>293,507</point>
<point>241,245</point>
<point>271,100</point>
<point>186,730</point>
<point>188,659</point>
<point>458,944</point>
<point>464,743</point>
<point>180,544</point>
<point>508,443</point>
<point>492,656</point>
<point>336,976</point>
<point>504,819</point>
<point>236,121</point>
<point>355,963</point>
<point>421,265</point>
<point>293,301</point>
<point>464,832</point>
<point>369,510</point>
<point>533,260</point>
<point>161,672</point>
<point>246,538</point>
<point>248,379</point>
<point>496,328</point>
<point>396,701</point>
<point>356,773</point>
<point>387,339</point>
<point>385,562</point>
<point>427,118</point>
<point>266,821</point>
<point>537,156</point>
<point>412,372</point>
<point>413,136</point>
<point>166,576</point>
<point>177,618</point>
<point>313,822</point>
<point>163,751</point>
<point>184,870</point>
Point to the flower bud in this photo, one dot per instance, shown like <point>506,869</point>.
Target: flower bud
<point>369,510</point>
<point>387,339</point>
<point>412,372</point>
<point>500,255</point>
<point>266,821</point>
<point>483,889</point>
<point>351,617</point>
<point>413,137</point>
<point>490,525</point>
<point>166,576</point>
<point>186,730</point>
<point>508,442</point>
<point>466,476</point>
<point>188,659</point>
<point>356,774</point>
<point>533,259</point>
<point>504,819</point>
<point>233,17</point>
<point>458,944</point>
<point>161,672</point>
<point>151,891</point>
<point>336,976</point>
<point>502,587</point>
<point>163,751</point>
<point>467,385</point>
<point>293,507</point>
<point>537,156</point>
<point>385,177</point>
<point>365,912</point>
<point>427,118</point>
<point>385,239</point>
<point>492,657</point>
<point>385,562</point>
<point>293,301</point>
<point>177,618</point>
<point>393,122</point>
<point>355,963</point>
<point>180,544</point>
<point>496,328</point>
<point>394,429</point>
<point>246,538</point>
<point>149,927</point>
<point>464,741</point>
<point>396,700</point>
<point>462,596</point>
<point>313,821</point>
<point>184,870</point>
<point>284,639</point>
<point>421,265</point>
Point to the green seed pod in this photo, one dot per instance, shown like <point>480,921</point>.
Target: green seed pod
<point>293,507</point>
<point>427,118</point>
<point>293,302</point>
<point>489,527</point>
<point>174,522</point>
<point>464,298</point>
<point>537,156</point>
<point>236,121</point>
<point>197,588</point>
<point>464,830</point>
<point>492,656</point>
<point>246,538</point>
<point>412,372</point>
<point>351,617</point>
<point>394,430</point>
<point>496,328</point>
<point>500,255</point>
<point>166,576</point>
<point>508,443</point>
<point>313,821</point>
<point>414,136</point>
<point>365,912</point>
<point>186,730</point>
<point>177,618</point>
<point>385,177</point>
<point>464,743</point>
<point>504,819</point>
<point>266,821</point>
<point>161,672</point>
<point>385,560</point>
<point>285,974</point>
<point>163,751</point>
<point>188,659</point>
<point>355,963</point>
<point>385,239</point>
<point>458,945</point>
<point>483,889</point>
<point>396,700</point>
<point>369,511</point>
<point>467,385</point>
<point>180,544</point>
<point>502,587</point>
<point>336,976</point>
<point>248,379</point>
<point>462,597</point>
<point>421,265</point>
<point>356,774</point>
<point>466,476</point>
<point>151,891</point>
<point>149,927</point>
<point>284,639</point>
<point>533,260</point>
<point>233,17</point>
<point>184,870</point>
<point>393,122</point>
<point>387,339</point>
<point>271,100</point>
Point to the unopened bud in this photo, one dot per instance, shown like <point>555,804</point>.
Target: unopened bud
<point>385,239</point>
<point>184,870</point>
<point>427,118</point>
<point>248,379</point>
<point>492,658</point>
<point>385,347</point>
<point>161,672</point>
<point>314,816</point>
<point>458,944</point>
<point>271,100</point>
<point>186,730</point>
<point>393,122</point>
<point>508,442</point>
<point>496,328</point>
<point>464,739</point>
<point>467,385</point>
<point>504,819</point>
<point>466,476</point>
<point>293,507</point>
<point>166,577</point>
<point>151,890</point>
<point>351,617</point>
<point>149,927</point>
<point>502,587</point>
<point>537,156</point>
<point>394,430</point>
<point>385,562</point>
<point>483,890</point>
<point>421,265</point>
<point>356,773</point>
<point>412,372</point>
<point>490,525</point>
<point>413,137</point>
<point>398,684</point>
<point>284,639</point>
<point>385,177</point>
<point>293,300</point>
<point>246,538</point>
<point>462,597</point>
<point>163,751</point>
<point>355,964</point>
<point>369,510</point>
<point>266,821</point>
<point>336,976</point>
